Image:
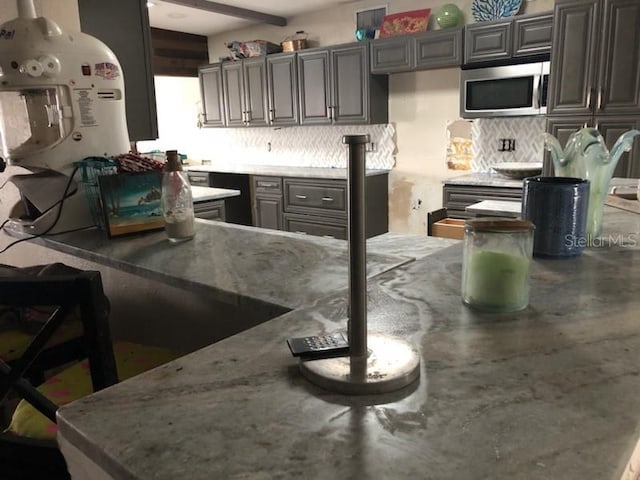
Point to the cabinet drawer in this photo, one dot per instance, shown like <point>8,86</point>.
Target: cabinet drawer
<point>457,198</point>
<point>200,179</point>
<point>210,210</point>
<point>267,185</point>
<point>321,196</point>
<point>318,226</point>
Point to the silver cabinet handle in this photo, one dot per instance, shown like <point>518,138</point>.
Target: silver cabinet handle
<point>333,112</point>
<point>329,112</point>
<point>300,231</point>
<point>301,197</point>
<point>327,199</point>
<point>589,98</point>
<point>596,126</point>
<point>248,112</point>
<point>266,184</point>
<point>600,99</point>
<point>271,114</point>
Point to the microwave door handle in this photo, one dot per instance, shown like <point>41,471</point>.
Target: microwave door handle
<point>537,91</point>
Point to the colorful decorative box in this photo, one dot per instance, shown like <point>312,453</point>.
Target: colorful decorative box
<point>403,23</point>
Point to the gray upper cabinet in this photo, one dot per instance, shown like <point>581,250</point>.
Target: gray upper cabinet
<point>244,92</point>
<point>422,51</point>
<point>233,93</point>
<point>123,25</point>
<point>487,41</point>
<point>506,39</point>
<point>255,91</point>
<point>314,87</point>
<point>595,66</point>
<point>532,35</point>
<point>391,55</point>
<point>350,86</point>
<point>282,89</point>
<point>211,93</point>
<point>336,87</point>
<point>442,48</point>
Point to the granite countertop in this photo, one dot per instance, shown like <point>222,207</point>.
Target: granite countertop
<point>484,179</point>
<point>547,393</point>
<point>230,263</point>
<point>278,170</point>
<point>203,194</point>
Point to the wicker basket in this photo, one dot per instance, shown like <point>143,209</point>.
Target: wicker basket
<point>90,169</point>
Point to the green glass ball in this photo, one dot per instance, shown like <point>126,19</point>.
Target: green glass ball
<point>448,16</point>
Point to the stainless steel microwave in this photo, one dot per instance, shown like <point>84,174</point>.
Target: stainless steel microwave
<point>510,90</point>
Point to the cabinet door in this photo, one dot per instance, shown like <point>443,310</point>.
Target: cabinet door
<point>442,48</point>
<point>350,84</point>
<point>619,71</point>
<point>233,90</point>
<point>575,44</point>
<point>124,26</point>
<point>488,42</point>
<point>314,87</point>
<point>562,128</point>
<point>211,94</point>
<point>255,92</point>
<point>282,81</point>
<point>392,55</point>
<point>268,211</point>
<point>611,128</point>
<point>532,35</point>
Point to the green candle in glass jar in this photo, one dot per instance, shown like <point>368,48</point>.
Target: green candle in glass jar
<point>496,264</point>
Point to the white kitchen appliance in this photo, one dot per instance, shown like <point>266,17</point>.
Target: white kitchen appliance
<point>61,100</point>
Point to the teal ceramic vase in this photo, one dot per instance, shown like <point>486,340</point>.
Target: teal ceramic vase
<point>586,156</point>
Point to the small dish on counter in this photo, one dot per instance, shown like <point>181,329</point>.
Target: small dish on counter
<point>518,170</point>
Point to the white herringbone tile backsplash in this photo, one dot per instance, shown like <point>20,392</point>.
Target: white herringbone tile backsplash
<point>317,146</point>
<point>485,135</point>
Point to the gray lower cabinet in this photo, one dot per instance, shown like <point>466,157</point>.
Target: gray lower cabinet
<point>210,210</point>
<point>455,198</point>
<point>421,51</point>
<point>123,25</point>
<point>267,202</point>
<point>316,206</point>
<point>506,39</point>
<point>336,87</point>
<point>610,127</point>
<point>211,94</point>
<point>595,73</point>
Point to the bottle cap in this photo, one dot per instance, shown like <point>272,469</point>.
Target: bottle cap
<point>173,161</point>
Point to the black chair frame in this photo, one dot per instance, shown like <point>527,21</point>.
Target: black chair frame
<point>82,291</point>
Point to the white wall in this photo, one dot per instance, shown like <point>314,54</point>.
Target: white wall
<point>420,104</point>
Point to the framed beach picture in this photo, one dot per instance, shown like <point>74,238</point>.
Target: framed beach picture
<point>131,202</point>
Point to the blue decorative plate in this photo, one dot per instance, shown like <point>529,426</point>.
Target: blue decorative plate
<point>485,10</point>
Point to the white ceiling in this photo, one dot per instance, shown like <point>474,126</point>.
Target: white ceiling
<point>191,20</point>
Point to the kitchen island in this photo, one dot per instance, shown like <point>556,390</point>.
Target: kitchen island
<point>547,393</point>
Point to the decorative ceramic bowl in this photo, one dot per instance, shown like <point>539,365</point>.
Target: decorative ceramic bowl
<point>518,170</point>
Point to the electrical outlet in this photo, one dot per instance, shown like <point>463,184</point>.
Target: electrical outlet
<point>507,145</point>
<point>371,147</point>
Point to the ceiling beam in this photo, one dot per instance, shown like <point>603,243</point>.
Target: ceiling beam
<point>231,11</point>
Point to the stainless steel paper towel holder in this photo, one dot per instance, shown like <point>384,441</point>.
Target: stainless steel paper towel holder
<point>376,363</point>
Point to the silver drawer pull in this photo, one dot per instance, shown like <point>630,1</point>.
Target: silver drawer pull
<point>301,197</point>
<point>327,199</point>
<point>299,231</point>
<point>267,185</point>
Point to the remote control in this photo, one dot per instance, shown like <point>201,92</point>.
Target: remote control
<point>322,346</point>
